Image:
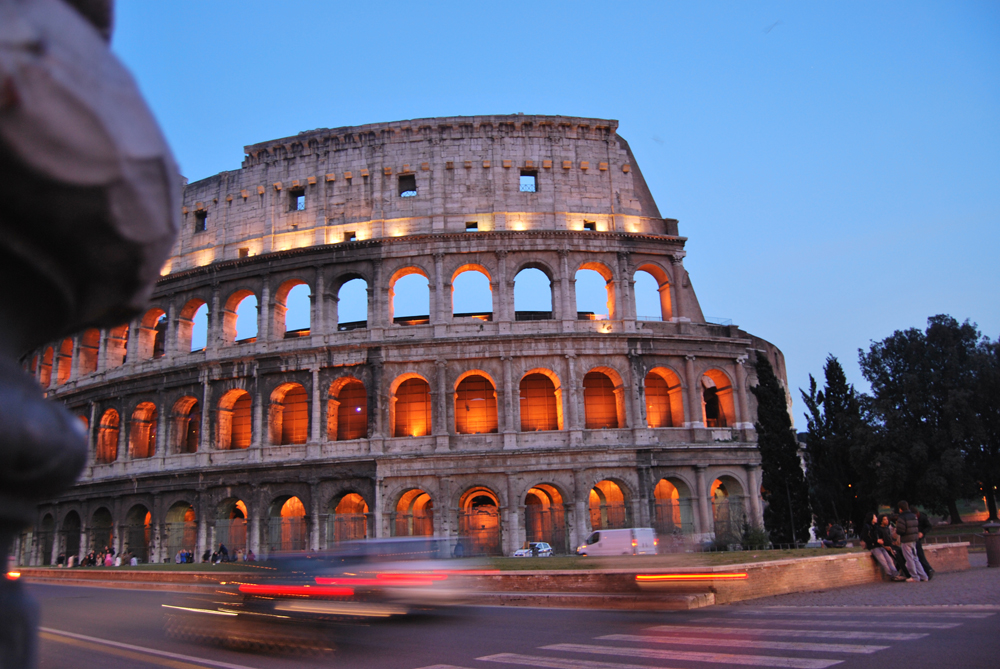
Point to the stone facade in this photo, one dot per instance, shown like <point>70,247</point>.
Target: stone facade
<point>178,461</point>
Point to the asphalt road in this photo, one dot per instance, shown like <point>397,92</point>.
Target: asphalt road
<point>100,628</point>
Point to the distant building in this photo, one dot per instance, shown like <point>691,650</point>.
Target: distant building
<point>500,426</point>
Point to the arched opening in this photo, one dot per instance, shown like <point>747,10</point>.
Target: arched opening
<point>409,297</point>
<point>471,293</point>
<point>107,438</point>
<point>544,517</point>
<point>609,508</point>
<point>348,518</point>
<point>288,418</point>
<point>235,421</point>
<point>117,346</point>
<point>411,408</point>
<point>102,528</point>
<point>728,509</point>
<point>652,294</point>
<point>192,327</point>
<point>347,410</point>
<point>142,435</point>
<point>287,525</point>
<point>475,405</point>
<point>45,371</point>
<point>664,399</point>
<point>152,333</point>
<point>541,402</point>
<point>595,293</point>
<point>414,515</point>
<point>64,361</point>
<point>239,318</point>
<point>717,399</point>
<point>90,342</point>
<point>71,527</point>
<point>602,401</point>
<point>138,522</point>
<point>181,530</point>
<point>231,526</point>
<point>352,305</point>
<point>292,310</point>
<point>479,522</point>
<point>186,419</point>
<point>532,295</point>
<point>672,516</point>
<point>46,539</point>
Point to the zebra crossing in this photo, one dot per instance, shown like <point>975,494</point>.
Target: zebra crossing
<point>782,637</point>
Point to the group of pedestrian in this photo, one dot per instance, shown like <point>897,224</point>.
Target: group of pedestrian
<point>896,543</point>
<point>102,558</point>
<point>223,555</point>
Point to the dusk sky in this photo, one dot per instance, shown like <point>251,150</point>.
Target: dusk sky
<point>835,166</point>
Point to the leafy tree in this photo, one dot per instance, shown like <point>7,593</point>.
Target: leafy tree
<point>983,452</point>
<point>921,413</point>
<point>783,484</point>
<point>835,428</point>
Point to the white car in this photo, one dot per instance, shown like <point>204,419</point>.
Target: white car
<point>543,550</point>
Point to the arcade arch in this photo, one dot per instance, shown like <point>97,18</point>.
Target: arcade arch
<point>414,515</point>
<point>138,522</point>
<point>234,423</point>
<point>239,317</point>
<point>192,326</point>
<point>87,350</point>
<point>728,509</point>
<point>609,507</point>
<point>471,293</point>
<point>186,425</point>
<point>411,407</point>
<point>116,346</point>
<point>347,410</point>
<point>664,398</point>
<point>541,401</point>
<point>532,294</point>
<point>593,280</point>
<point>47,539</point>
<point>45,370</point>
<point>231,525</point>
<point>288,416</point>
<point>348,518</point>
<point>101,530</point>
<point>181,529</point>
<point>717,399</point>
<point>292,310</point>
<point>479,522</point>
<point>544,517</point>
<point>412,284</point>
<point>152,334</point>
<point>142,432</point>
<point>64,361</point>
<point>652,294</point>
<point>603,399</point>
<point>107,438</point>
<point>672,508</point>
<point>475,404</point>
<point>71,531</point>
<point>352,305</point>
<point>287,524</point>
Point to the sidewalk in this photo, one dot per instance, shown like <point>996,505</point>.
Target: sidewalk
<point>978,585</point>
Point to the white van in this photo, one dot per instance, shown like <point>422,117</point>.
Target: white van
<point>636,541</point>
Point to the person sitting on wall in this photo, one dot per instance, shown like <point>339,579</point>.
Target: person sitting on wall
<point>223,553</point>
<point>206,556</point>
<point>887,526</point>
<point>872,538</point>
<point>250,556</point>
<point>835,537</point>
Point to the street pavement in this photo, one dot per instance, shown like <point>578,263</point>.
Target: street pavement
<point>952,621</point>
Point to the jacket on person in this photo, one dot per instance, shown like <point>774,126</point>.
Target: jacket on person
<point>907,527</point>
<point>924,523</point>
<point>870,535</point>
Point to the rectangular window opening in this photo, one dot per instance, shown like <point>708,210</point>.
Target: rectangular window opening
<point>590,225</point>
<point>407,185</point>
<point>200,221</point>
<point>350,236</point>
<point>472,226</point>
<point>529,181</point>
<point>244,252</point>
<point>297,200</point>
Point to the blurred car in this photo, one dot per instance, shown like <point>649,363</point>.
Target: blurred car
<point>295,599</point>
<point>535,549</point>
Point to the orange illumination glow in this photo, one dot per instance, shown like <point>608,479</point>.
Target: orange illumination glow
<point>655,578</point>
<point>295,591</point>
<point>13,575</point>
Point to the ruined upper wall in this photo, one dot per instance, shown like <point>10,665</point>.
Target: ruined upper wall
<point>466,169</point>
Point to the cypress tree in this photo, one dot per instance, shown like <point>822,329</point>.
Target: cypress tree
<point>783,484</point>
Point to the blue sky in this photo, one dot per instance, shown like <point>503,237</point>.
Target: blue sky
<point>834,165</point>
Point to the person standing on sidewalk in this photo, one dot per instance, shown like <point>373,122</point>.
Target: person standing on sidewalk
<point>908,529</point>
<point>924,525</point>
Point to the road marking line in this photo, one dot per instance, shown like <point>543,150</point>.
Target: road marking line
<point>746,643</point>
<point>845,623</point>
<point>928,614</point>
<point>692,656</point>
<point>442,666</point>
<point>818,634</point>
<point>174,659</point>
<point>559,663</point>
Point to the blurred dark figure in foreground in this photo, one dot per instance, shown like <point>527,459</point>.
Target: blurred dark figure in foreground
<point>89,208</point>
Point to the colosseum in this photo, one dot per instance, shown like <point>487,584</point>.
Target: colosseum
<point>387,410</point>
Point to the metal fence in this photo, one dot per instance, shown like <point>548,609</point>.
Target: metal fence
<point>179,535</point>
<point>137,541</point>
<point>419,524</point>
<point>286,534</point>
<point>232,533</point>
<point>610,517</point>
<point>673,517</point>
<point>480,532</point>
<point>730,515</point>
<point>346,527</point>
<point>548,525</point>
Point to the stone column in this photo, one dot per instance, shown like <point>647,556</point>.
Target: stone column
<point>439,423</point>
<point>215,334</point>
<point>743,418</point>
<point>676,261</point>
<point>131,346</point>
<point>257,438</point>
<point>508,396</point>
<point>74,365</point>
<point>571,394</point>
<point>317,404</point>
<point>514,511</point>
<point>378,309</point>
<point>694,393</point>
<point>204,436</point>
<point>203,540</point>
<point>567,306</point>
<point>102,354</point>
<point>314,511</point>
<point>753,485</point>
<point>502,298</point>
<point>265,310</point>
<point>317,317</point>
<point>438,299</point>
<point>581,500</point>
<point>704,508</point>
<point>624,304</point>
